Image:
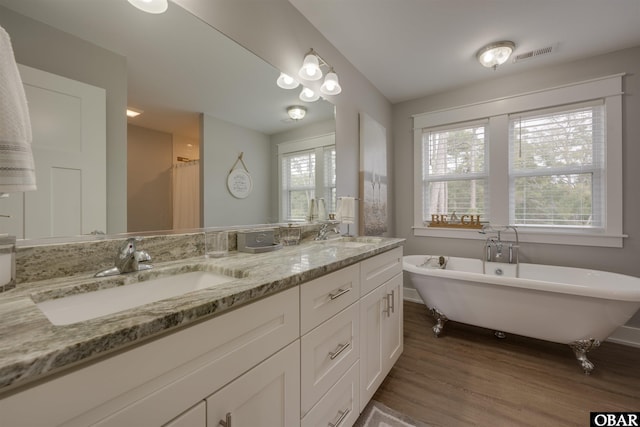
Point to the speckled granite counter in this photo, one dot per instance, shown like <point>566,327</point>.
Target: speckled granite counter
<point>31,347</point>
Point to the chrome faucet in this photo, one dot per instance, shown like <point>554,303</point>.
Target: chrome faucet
<point>128,260</point>
<point>496,242</point>
<point>323,232</point>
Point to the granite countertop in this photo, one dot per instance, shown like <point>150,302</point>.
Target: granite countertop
<point>31,347</point>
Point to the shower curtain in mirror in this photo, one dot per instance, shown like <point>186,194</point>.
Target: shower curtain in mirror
<point>186,195</point>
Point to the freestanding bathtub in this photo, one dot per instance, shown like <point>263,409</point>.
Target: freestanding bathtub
<point>573,306</point>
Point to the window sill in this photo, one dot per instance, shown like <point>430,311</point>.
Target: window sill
<point>527,235</point>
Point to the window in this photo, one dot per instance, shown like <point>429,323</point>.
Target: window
<point>549,162</point>
<point>557,167</point>
<point>307,171</point>
<point>454,171</point>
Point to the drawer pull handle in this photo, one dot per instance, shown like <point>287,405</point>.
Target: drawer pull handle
<point>393,302</point>
<point>339,293</point>
<point>340,349</point>
<point>227,422</point>
<point>342,415</point>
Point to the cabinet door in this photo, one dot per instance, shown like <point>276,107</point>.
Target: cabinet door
<point>392,329</point>
<point>194,417</point>
<point>372,361</point>
<point>267,395</point>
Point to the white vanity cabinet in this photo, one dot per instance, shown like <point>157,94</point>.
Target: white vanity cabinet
<point>267,395</point>
<point>381,315</point>
<point>309,356</point>
<point>330,348</point>
<point>151,384</point>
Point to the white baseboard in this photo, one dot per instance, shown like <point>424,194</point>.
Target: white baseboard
<point>410,294</point>
<point>625,335</point>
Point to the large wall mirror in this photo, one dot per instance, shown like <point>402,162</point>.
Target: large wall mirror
<point>207,106</point>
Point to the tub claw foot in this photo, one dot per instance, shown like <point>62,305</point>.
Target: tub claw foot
<point>580,349</point>
<point>441,319</point>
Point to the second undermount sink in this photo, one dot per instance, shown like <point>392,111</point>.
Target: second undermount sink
<point>352,242</point>
<point>90,305</point>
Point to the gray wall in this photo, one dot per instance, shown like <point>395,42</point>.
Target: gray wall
<point>620,260</point>
<point>43,47</point>
<point>275,31</point>
<point>222,142</point>
<point>149,186</point>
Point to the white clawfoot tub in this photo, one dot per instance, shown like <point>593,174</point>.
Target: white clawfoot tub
<point>573,306</point>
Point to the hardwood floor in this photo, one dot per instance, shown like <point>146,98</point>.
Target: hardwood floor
<point>467,377</point>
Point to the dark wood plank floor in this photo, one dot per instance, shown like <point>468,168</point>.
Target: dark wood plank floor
<point>467,377</point>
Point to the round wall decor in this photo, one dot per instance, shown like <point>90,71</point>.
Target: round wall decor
<point>239,183</point>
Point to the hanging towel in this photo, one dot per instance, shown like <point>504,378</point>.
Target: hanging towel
<point>346,210</point>
<point>17,170</point>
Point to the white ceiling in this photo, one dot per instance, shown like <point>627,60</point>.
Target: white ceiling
<point>413,48</point>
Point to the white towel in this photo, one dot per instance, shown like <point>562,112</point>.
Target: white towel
<point>17,170</point>
<point>345,213</point>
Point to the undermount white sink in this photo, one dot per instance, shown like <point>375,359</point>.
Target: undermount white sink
<point>90,305</point>
<point>352,242</point>
<point>349,244</point>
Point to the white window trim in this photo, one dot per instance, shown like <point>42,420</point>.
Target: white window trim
<point>608,88</point>
<point>317,143</point>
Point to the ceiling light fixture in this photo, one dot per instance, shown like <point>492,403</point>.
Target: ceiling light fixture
<point>311,70</point>
<point>151,6</point>
<point>308,95</point>
<point>285,81</point>
<point>296,112</point>
<point>132,112</point>
<point>495,54</point>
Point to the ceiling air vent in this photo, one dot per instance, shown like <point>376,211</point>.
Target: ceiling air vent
<point>532,54</point>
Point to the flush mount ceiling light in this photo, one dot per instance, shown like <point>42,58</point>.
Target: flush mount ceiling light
<point>495,54</point>
<point>132,112</point>
<point>296,112</point>
<point>151,6</point>
<point>285,81</point>
<point>311,70</point>
<point>308,95</point>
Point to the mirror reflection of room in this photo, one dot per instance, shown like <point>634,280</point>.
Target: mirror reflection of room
<point>165,169</point>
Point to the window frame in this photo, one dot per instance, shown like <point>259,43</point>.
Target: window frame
<point>497,111</point>
<point>317,144</point>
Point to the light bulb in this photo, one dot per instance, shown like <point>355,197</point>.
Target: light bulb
<point>310,69</point>
<point>285,81</point>
<point>308,95</point>
<point>331,85</point>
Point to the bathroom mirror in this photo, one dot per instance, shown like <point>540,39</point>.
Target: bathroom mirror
<point>213,98</point>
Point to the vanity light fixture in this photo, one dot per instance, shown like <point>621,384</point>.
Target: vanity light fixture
<point>311,70</point>
<point>308,95</point>
<point>285,81</point>
<point>151,6</point>
<point>495,54</point>
<point>296,112</point>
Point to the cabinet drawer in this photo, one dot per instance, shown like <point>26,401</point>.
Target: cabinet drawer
<point>327,353</point>
<point>339,406</point>
<point>325,296</point>
<point>377,270</point>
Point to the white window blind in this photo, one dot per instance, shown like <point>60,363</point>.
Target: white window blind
<point>557,167</point>
<point>330,195</point>
<point>298,183</point>
<point>455,170</point>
